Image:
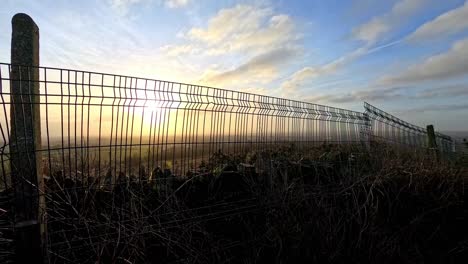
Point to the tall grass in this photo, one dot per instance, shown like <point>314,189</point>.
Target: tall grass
<point>330,204</point>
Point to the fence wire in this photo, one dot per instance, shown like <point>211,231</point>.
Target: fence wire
<point>102,133</point>
<point>390,129</point>
<point>94,124</point>
<point>108,141</point>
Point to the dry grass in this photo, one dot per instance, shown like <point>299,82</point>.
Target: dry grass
<point>326,204</point>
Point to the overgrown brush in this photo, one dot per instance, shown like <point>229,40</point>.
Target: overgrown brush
<point>330,204</point>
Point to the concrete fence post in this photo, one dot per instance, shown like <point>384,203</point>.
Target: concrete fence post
<point>431,141</point>
<point>366,131</point>
<point>431,137</point>
<point>25,140</point>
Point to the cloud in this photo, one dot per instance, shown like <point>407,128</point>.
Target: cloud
<point>407,7</point>
<point>455,90</point>
<point>256,90</point>
<point>387,93</point>
<point>243,28</point>
<point>123,3</point>
<point>123,6</point>
<point>359,96</point>
<point>109,38</point>
<point>178,50</point>
<point>372,31</point>
<point>394,93</point>
<point>437,108</point>
<point>369,32</point>
<point>113,44</point>
<point>298,78</point>
<point>451,64</point>
<point>449,23</point>
<point>258,40</point>
<point>262,68</point>
<point>230,21</point>
<point>176,3</point>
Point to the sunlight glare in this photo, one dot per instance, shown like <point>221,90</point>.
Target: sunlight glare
<point>153,106</point>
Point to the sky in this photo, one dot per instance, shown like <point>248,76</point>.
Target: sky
<point>408,57</point>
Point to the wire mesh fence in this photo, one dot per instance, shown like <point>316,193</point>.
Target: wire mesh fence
<point>106,140</point>
<point>93,162</point>
<point>390,129</point>
<point>92,122</point>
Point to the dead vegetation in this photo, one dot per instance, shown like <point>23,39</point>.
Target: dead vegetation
<point>330,204</point>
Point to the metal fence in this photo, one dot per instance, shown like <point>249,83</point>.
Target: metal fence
<point>89,161</point>
<point>92,122</point>
<point>391,129</point>
<point>99,130</point>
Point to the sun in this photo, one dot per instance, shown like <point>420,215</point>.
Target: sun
<point>152,106</point>
<point>151,109</point>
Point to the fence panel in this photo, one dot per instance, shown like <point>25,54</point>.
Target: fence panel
<point>102,131</point>
<point>93,122</point>
<point>390,129</point>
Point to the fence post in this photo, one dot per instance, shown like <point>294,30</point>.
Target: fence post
<point>25,140</point>
<point>431,141</point>
<point>366,128</point>
<point>431,138</point>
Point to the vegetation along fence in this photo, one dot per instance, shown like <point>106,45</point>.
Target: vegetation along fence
<point>65,133</point>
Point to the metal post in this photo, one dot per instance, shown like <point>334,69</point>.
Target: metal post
<point>26,140</point>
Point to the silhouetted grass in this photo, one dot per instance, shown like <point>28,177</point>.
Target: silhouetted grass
<point>330,204</point>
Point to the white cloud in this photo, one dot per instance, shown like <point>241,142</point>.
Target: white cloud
<point>407,7</point>
<point>230,21</point>
<point>372,31</point>
<point>176,3</point>
<point>438,108</point>
<point>262,68</point>
<point>307,73</point>
<point>123,3</point>
<point>178,50</point>
<point>450,64</point>
<point>244,28</point>
<point>298,78</point>
<point>357,96</point>
<point>122,6</point>
<point>259,41</point>
<point>385,93</point>
<point>449,23</point>
<point>454,90</point>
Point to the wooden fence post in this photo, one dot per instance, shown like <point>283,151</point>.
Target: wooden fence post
<point>25,140</point>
